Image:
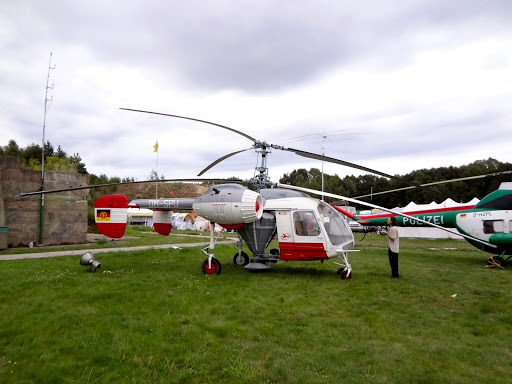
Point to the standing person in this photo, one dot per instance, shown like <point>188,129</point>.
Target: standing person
<point>393,245</point>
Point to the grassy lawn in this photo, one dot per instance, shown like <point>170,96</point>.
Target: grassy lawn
<point>134,236</point>
<point>153,317</point>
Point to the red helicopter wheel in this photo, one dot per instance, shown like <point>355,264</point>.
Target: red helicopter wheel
<point>344,274</point>
<point>214,269</point>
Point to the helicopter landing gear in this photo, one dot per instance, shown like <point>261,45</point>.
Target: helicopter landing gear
<point>344,274</point>
<point>211,266</point>
<point>346,271</point>
<point>497,262</point>
<point>241,258</point>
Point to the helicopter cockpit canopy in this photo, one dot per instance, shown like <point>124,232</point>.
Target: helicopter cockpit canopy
<point>336,226</point>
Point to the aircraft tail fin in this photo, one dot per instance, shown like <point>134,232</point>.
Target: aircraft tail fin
<point>110,214</point>
<point>501,199</point>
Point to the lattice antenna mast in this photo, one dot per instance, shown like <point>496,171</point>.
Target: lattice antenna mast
<point>324,136</point>
<point>323,154</point>
<point>47,104</point>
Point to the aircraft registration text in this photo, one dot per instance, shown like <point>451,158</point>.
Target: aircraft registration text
<point>163,203</point>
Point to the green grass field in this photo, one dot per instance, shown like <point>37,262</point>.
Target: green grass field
<point>134,236</point>
<point>153,317</point>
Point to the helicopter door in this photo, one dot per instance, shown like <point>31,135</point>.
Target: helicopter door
<point>300,236</point>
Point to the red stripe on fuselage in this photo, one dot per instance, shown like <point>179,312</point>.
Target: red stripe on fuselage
<point>437,210</point>
<point>302,251</point>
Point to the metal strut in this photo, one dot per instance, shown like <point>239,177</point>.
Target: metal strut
<point>347,268</point>
<point>208,250</point>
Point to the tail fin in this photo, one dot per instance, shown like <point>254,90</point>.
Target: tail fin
<point>501,199</point>
<point>110,214</point>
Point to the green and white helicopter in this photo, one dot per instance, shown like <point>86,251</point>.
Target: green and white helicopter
<point>486,225</point>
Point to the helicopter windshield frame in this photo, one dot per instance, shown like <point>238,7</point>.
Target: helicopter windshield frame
<point>336,227</point>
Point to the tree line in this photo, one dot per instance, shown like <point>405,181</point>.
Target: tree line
<point>54,159</point>
<point>58,160</point>
<point>350,186</point>
<point>460,191</point>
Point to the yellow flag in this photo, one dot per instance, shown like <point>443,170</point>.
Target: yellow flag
<point>155,147</point>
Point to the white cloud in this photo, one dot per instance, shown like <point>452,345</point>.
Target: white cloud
<point>417,85</point>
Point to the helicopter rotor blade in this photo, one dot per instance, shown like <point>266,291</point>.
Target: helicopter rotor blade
<point>193,119</point>
<point>259,144</point>
<point>333,160</point>
<point>435,183</point>
<point>127,183</point>
<point>222,159</point>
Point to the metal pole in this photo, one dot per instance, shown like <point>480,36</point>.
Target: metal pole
<point>46,106</point>
<point>323,154</point>
<point>156,184</point>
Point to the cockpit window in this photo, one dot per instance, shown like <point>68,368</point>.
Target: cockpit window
<point>335,225</point>
<point>494,226</point>
<point>305,223</point>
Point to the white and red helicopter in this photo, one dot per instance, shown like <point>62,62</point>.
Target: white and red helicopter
<point>307,229</point>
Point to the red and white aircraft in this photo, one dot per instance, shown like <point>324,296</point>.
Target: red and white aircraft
<point>307,229</point>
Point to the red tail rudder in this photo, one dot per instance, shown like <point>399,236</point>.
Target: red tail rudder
<point>110,214</point>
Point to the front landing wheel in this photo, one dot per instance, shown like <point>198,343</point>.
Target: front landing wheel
<point>214,269</point>
<point>344,275</point>
<point>497,261</point>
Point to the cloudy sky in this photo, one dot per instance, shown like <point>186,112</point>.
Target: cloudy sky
<point>392,85</point>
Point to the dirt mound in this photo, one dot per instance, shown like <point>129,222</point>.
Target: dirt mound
<point>151,190</point>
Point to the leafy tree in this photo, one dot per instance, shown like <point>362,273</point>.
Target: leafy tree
<point>12,149</point>
<point>32,151</point>
<point>31,157</point>
<point>77,161</point>
<point>154,176</point>
<point>48,149</point>
<point>462,191</point>
<point>101,179</point>
<point>60,152</point>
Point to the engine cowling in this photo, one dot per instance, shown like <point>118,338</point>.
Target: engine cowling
<point>229,204</point>
<point>110,213</point>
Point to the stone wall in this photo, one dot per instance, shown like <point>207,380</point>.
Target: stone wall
<point>65,213</point>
